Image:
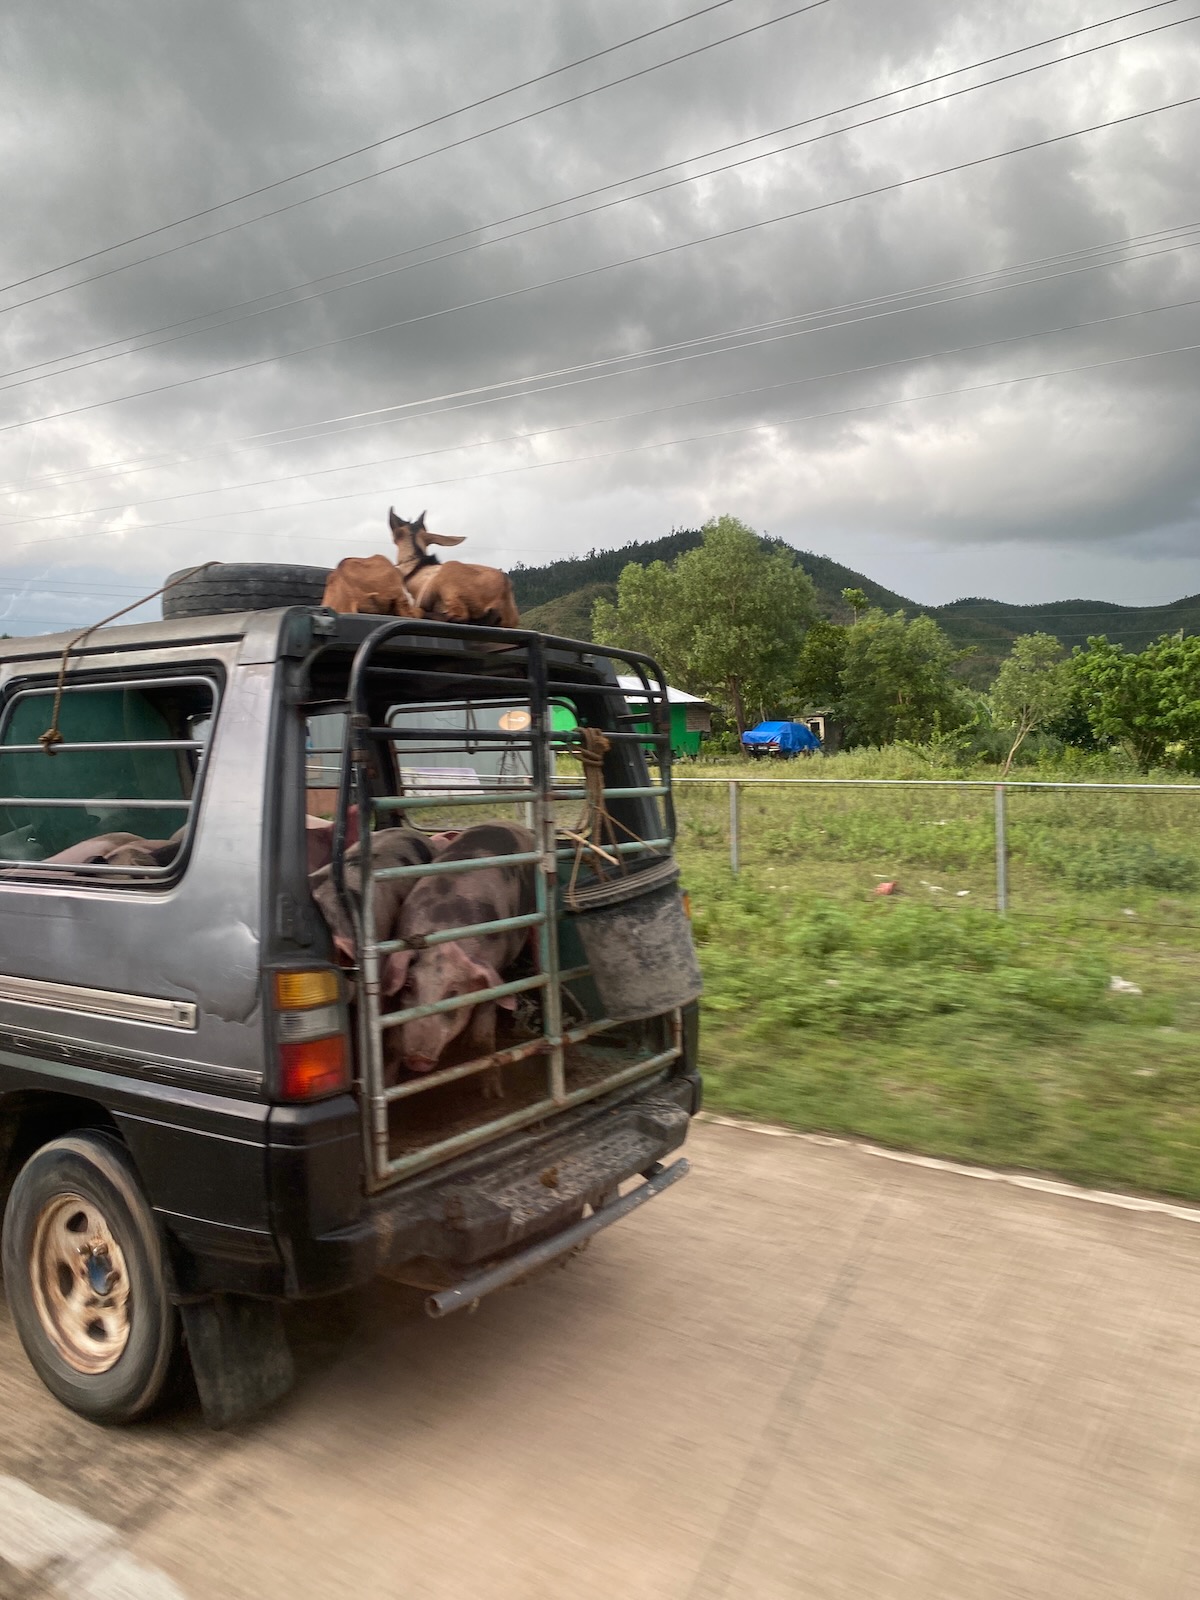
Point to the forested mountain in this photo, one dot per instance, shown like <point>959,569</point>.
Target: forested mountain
<point>558,598</point>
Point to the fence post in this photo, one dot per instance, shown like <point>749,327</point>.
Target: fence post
<point>1001,854</point>
<point>733,828</point>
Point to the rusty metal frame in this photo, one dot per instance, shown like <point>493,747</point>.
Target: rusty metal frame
<point>542,795</point>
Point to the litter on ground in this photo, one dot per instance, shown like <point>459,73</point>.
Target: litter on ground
<point>1123,986</point>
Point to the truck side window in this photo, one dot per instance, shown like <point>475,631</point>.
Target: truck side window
<point>324,733</point>
<point>115,796</point>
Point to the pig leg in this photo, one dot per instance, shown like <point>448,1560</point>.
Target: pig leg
<point>480,1037</point>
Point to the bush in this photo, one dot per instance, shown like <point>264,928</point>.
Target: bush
<point>1123,863</point>
<point>865,971</point>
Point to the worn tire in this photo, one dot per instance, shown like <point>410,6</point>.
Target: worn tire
<point>244,586</point>
<point>94,1168</point>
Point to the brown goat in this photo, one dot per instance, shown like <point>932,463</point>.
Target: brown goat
<point>369,583</point>
<point>454,591</point>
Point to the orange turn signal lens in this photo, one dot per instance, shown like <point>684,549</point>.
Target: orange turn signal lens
<point>296,991</point>
<point>313,1068</point>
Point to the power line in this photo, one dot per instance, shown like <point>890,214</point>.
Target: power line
<point>376,144</point>
<point>590,272</point>
<point>454,144</point>
<point>385,415</point>
<point>662,444</point>
<point>245,311</point>
<point>568,427</point>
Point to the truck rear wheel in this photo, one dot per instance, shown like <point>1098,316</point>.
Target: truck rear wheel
<point>86,1279</point>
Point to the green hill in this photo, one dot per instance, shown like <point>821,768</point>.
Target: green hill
<point>1074,621</point>
<point>534,586</point>
<point>558,598</point>
<point>569,615</point>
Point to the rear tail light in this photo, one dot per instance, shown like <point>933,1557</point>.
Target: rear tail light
<point>314,1054</point>
<point>294,991</point>
<point>314,1068</point>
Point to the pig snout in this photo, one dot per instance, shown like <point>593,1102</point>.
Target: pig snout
<point>426,977</point>
<point>424,1041</point>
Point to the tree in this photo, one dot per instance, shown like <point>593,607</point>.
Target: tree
<point>856,599</point>
<point>725,622</point>
<point>819,666</point>
<point>1032,688</point>
<point>897,681</point>
<point>645,616</point>
<point>1149,702</point>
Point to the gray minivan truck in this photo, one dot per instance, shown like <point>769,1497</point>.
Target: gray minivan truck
<point>197,1122</point>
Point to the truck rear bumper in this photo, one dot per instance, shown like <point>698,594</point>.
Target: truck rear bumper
<point>491,1207</point>
<point>471,1289</point>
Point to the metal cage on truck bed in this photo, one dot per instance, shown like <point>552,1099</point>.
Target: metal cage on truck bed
<point>556,691</point>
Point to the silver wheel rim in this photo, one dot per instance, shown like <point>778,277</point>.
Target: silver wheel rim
<point>80,1284</point>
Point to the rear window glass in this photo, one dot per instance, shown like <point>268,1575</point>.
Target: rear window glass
<point>448,750</point>
<point>116,794</point>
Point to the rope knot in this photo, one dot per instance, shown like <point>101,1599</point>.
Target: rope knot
<point>598,838</point>
<point>53,735</point>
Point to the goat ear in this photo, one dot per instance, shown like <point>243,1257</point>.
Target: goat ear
<point>442,538</point>
<point>420,522</point>
<point>395,972</point>
<point>394,522</point>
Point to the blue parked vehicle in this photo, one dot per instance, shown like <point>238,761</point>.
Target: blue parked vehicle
<point>783,739</point>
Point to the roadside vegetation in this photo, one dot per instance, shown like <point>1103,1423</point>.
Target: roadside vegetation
<point>922,1019</point>
<point>1064,1037</point>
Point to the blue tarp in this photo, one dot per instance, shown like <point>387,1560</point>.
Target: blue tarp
<point>787,737</point>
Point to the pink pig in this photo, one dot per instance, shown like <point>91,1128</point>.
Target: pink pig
<point>462,966</point>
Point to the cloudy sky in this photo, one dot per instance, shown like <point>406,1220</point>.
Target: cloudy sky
<point>739,280</point>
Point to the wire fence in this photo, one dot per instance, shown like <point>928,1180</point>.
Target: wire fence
<point>1110,851</point>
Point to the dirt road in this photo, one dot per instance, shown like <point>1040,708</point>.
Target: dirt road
<point>807,1371</point>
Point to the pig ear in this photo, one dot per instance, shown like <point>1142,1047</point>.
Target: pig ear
<point>486,977</point>
<point>395,971</point>
<point>345,949</point>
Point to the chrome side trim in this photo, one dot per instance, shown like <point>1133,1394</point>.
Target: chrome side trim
<point>99,1002</point>
<point>62,1054</point>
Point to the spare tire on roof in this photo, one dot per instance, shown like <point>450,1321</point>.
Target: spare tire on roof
<point>243,586</point>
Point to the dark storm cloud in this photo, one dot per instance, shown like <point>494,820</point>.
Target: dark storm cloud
<point>118,117</point>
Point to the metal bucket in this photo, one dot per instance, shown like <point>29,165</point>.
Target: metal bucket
<point>638,941</point>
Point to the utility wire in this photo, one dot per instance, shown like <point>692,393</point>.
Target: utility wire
<point>660,444</point>
<point>628,416</point>
<point>248,309</point>
<point>377,144</point>
<point>454,144</point>
<point>591,272</point>
<point>1171,240</point>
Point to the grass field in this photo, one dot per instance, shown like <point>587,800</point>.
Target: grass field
<point>923,1019</point>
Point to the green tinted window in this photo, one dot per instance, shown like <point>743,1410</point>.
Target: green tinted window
<point>127,765</point>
